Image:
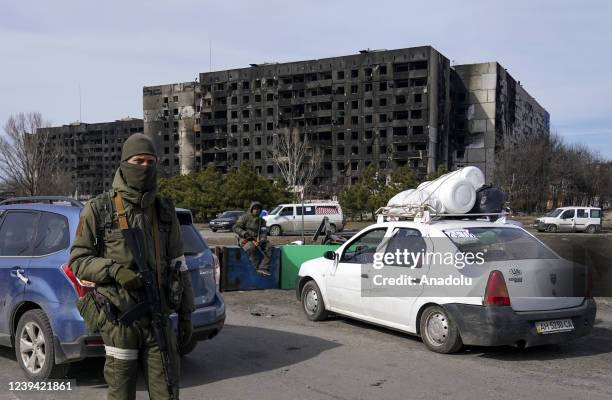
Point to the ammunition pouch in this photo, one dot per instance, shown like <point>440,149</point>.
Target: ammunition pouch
<point>110,310</point>
<point>91,311</point>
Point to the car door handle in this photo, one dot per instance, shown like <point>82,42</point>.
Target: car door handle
<point>365,276</point>
<point>19,273</point>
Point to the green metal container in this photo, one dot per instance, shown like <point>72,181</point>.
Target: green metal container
<point>292,257</point>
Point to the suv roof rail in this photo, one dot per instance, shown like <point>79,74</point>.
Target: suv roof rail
<point>42,199</point>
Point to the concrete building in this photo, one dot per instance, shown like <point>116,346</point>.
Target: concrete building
<point>172,118</point>
<point>491,109</point>
<point>92,152</point>
<point>388,107</point>
<point>384,107</point>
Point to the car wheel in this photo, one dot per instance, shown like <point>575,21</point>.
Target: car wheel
<point>186,348</point>
<point>275,230</point>
<point>552,228</point>
<point>213,229</point>
<point>312,302</point>
<point>34,347</point>
<point>591,229</point>
<point>439,332</point>
<point>332,228</point>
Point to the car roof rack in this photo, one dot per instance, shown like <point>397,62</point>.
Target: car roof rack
<point>42,199</point>
<point>427,212</point>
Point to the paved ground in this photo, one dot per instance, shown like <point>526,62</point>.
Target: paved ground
<point>268,350</point>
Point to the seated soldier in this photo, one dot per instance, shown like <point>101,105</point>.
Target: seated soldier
<point>251,238</point>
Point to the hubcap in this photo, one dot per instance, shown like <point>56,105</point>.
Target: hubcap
<point>437,328</point>
<point>312,301</point>
<point>32,347</point>
<point>274,231</point>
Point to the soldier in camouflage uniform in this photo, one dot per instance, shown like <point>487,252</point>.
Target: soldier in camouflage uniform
<point>100,255</point>
<point>253,239</point>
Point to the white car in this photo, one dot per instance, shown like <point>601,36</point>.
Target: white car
<point>571,219</point>
<point>519,292</point>
<point>288,218</point>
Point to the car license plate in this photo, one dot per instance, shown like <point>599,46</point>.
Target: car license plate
<point>554,326</point>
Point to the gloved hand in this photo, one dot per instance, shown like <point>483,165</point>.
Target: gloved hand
<point>185,329</point>
<point>128,279</point>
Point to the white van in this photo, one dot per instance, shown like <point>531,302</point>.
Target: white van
<point>287,218</point>
<point>571,219</point>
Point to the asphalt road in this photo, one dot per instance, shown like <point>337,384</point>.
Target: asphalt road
<point>268,350</point>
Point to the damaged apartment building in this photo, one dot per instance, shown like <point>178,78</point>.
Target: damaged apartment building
<point>385,107</point>
<point>91,153</point>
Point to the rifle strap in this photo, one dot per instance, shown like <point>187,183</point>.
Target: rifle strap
<point>157,244</point>
<point>123,224</point>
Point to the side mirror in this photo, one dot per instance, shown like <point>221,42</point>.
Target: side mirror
<point>330,255</point>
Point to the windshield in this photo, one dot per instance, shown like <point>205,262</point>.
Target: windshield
<point>554,213</point>
<point>230,214</point>
<point>498,244</point>
<point>276,210</point>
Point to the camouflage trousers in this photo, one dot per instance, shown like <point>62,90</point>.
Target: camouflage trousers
<point>127,345</point>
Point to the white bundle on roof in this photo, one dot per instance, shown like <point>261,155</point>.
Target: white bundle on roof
<point>452,193</point>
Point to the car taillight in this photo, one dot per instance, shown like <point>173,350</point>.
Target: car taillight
<point>216,270</point>
<point>80,288</point>
<point>496,293</point>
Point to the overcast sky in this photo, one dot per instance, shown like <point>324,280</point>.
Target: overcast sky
<point>561,51</point>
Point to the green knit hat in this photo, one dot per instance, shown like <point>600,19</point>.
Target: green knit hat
<point>136,144</point>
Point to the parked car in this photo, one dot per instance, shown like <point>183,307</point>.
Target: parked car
<point>515,297</point>
<point>571,219</point>
<point>38,290</point>
<point>287,218</point>
<point>225,220</point>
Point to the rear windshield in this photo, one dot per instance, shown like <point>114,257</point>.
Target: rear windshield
<point>497,244</point>
<point>192,241</point>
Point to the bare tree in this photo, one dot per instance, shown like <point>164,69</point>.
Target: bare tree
<point>29,163</point>
<point>297,161</point>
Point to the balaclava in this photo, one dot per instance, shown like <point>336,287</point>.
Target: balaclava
<point>140,177</point>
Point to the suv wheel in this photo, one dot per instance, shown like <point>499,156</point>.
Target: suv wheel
<point>213,229</point>
<point>591,229</point>
<point>552,228</point>
<point>312,302</point>
<point>439,332</point>
<point>34,347</point>
<point>275,230</point>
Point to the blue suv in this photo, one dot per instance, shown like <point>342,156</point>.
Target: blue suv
<point>38,291</point>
